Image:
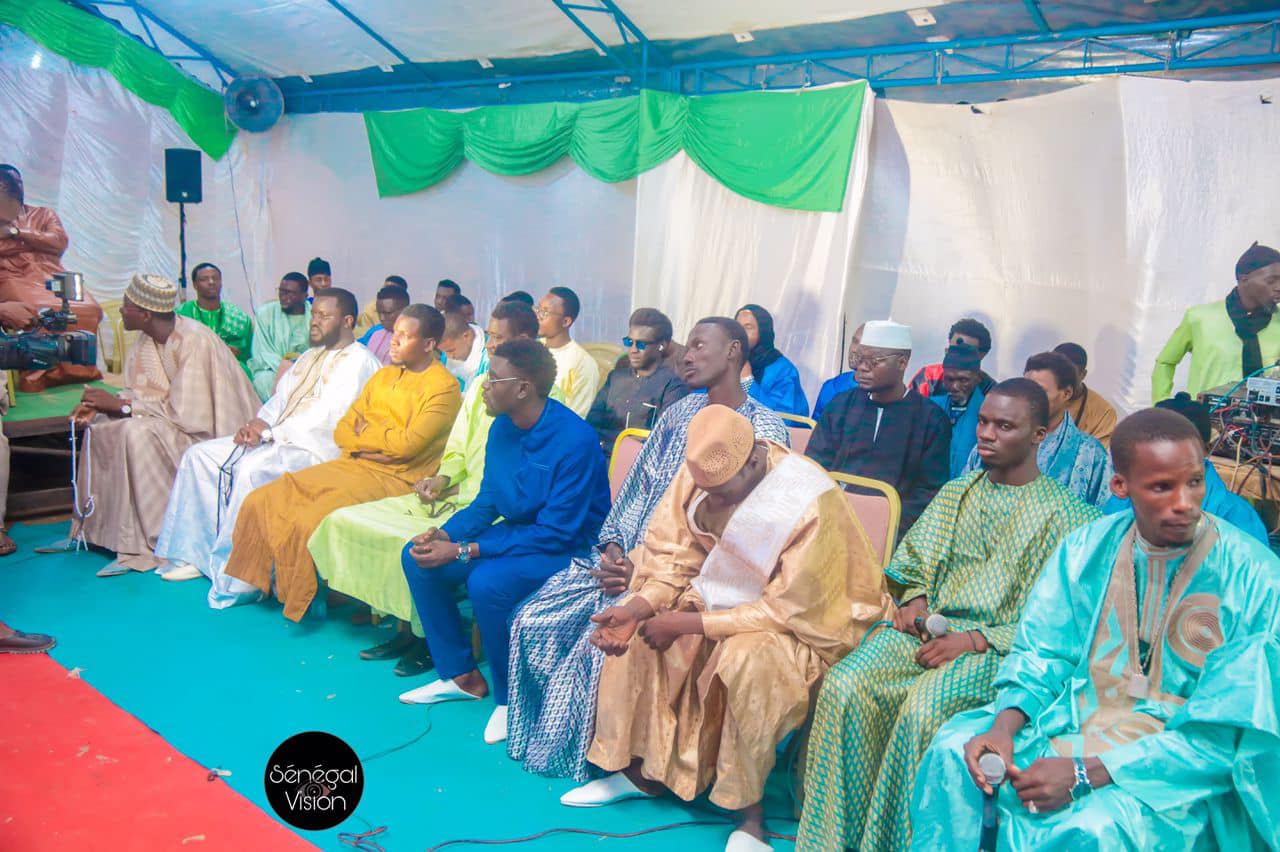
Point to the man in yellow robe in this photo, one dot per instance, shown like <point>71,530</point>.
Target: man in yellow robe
<point>392,437</point>
<point>753,579</point>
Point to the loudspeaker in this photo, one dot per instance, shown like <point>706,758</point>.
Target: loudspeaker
<point>182,175</point>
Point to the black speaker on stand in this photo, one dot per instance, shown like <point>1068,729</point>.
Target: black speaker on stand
<point>182,186</point>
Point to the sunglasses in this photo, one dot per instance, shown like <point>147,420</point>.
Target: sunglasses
<point>640,345</point>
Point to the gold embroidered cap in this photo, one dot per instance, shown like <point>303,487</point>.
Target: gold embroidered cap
<point>153,293</point>
<point>720,442</point>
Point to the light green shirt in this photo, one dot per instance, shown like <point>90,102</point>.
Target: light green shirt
<point>1208,334</point>
<point>276,335</point>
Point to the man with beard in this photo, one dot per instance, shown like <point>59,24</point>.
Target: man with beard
<point>292,431</point>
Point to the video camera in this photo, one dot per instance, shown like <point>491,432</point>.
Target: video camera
<point>51,343</point>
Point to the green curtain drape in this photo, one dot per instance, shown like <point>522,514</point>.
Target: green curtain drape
<point>788,149</point>
<point>85,39</point>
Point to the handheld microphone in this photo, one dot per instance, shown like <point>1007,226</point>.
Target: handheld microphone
<point>993,770</point>
<point>934,626</point>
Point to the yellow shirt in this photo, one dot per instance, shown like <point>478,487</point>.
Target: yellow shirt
<point>577,377</point>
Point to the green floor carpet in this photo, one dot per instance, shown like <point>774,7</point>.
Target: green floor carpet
<point>226,687</point>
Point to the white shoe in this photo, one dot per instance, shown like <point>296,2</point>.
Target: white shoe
<point>495,730</point>
<point>603,791</point>
<point>437,692</point>
<point>740,841</point>
<point>181,571</point>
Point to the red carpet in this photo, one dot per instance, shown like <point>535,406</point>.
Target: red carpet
<point>77,772</point>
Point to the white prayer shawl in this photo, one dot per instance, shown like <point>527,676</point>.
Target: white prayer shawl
<point>309,401</point>
<point>740,564</point>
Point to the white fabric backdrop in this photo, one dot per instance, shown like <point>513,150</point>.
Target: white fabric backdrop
<point>1097,214</point>
<point>94,153</point>
<point>703,250</point>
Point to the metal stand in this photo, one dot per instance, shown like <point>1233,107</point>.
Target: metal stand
<point>182,247</point>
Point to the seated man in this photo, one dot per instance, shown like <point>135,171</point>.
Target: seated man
<point>962,400</point>
<point>753,579</point>
<point>445,289</point>
<point>929,380</point>
<point>390,438</point>
<point>1089,409</point>
<point>845,381</point>
<point>281,331</point>
<point>972,557</point>
<point>319,276</point>
<point>231,324</point>
<point>181,385</point>
<point>634,396</point>
<point>1076,460</point>
<point>545,492</point>
<point>883,429</point>
<point>577,373</point>
<point>1219,501</point>
<point>357,548</point>
<point>555,670</point>
<point>294,430</point>
<point>367,323</point>
<point>390,302</point>
<point>464,346</point>
<point>1138,707</point>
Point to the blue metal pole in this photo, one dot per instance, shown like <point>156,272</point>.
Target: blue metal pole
<point>195,46</point>
<point>587,31</point>
<point>1037,15</point>
<point>998,41</point>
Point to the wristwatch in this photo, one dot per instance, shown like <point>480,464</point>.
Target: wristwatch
<point>12,231</point>
<point>464,552</point>
<point>266,436</point>
<point>1082,785</point>
<point>126,410</point>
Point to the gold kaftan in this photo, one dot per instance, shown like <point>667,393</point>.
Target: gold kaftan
<point>407,415</point>
<point>1093,414</point>
<point>713,708</point>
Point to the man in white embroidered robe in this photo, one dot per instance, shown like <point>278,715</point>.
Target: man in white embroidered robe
<point>292,431</point>
<point>753,578</point>
<point>182,385</point>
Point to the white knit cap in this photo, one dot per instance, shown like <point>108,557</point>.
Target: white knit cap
<point>886,334</point>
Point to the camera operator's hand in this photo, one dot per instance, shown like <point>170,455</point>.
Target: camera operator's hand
<point>18,316</point>
<point>100,400</point>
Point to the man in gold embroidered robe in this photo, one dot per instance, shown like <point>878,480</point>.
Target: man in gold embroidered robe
<point>753,578</point>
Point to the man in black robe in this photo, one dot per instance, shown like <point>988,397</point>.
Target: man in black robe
<point>884,430</point>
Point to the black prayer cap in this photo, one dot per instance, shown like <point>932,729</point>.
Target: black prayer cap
<point>318,266</point>
<point>1255,258</point>
<point>962,356</point>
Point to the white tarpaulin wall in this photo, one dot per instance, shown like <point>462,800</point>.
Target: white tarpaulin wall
<point>703,250</point>
<point>1097,214</point>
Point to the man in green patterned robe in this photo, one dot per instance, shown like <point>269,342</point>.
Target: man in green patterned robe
<point>972,557</point>
<point>231,324</point>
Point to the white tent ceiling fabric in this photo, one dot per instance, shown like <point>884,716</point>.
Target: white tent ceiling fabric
<point>288,37</point>
<point>1095,215</point>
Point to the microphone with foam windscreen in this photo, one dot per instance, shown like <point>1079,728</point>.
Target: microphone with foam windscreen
<point>934,626</point>
<point>993,770</point>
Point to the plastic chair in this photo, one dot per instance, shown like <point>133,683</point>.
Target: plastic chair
<point>606,355</point>
<point>801,429</point>
<point>879,513</point>
<point>625,451</point>
<point>113,357</point>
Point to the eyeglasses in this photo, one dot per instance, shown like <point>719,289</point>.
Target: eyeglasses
<point>511,379</point>
<point>543,313</point>
<point>873,362</point>
<point>640,345</point>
